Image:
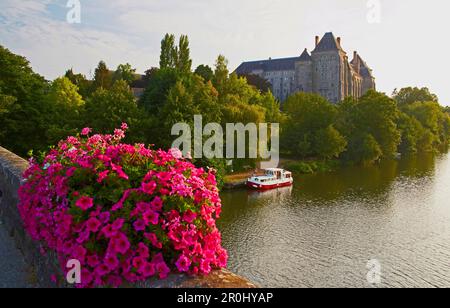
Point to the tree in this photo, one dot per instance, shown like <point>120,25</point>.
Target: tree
<point>411,95</point>
<point>6,102</point>
<point>175,57</point>
<point>189,97</point>
<point>369,149</point>
<point>108,109</point>
<point>183,59</point>
<point>205,72</point>
<point>309,127</point>
<point>221,74</point>
<point>23,120</point>
<point>150,73</point>
<point>411,132</point>
<point>329,143</point>
<point>374,116</point>
<point>125,72</point>
<point>63,92</point>
<point>66,108</point>
<point>102,76</point>
<point>155,94</point>
<point>272,108</point>
<point>258,82</point>
<point>84,85</point>
<point>434,121</point>
<point>168,57</point>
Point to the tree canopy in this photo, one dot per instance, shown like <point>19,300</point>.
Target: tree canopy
<point>36,113</point>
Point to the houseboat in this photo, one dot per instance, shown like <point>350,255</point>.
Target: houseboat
<point>272,178</point>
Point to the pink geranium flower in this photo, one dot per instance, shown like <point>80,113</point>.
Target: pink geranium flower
<point>176,153</point>
<point>189,216</point>
<point>86,131</point>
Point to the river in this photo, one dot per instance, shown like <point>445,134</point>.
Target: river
<point>324,231</point>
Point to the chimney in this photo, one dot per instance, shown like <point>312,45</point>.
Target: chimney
<point>356,64</point>
<point>317,40</point>
<point>339,41</point>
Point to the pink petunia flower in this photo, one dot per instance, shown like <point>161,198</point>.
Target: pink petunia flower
<point>151,217</point>
<point>149,188</point>
<point>93,261</point>
<point>120,243</point>
<point>85,203</point>
<point>111,261</point>
<point>102,176</point>
<point>139,225</point>
<point>118,224</point>
<point>143,250</point>
<point>189,216</point>
<point>163,270</point>
<point>183,264</point>
<point>157,204</point>
<point>147,269</point>
<point>152,238</point>
<point>93,224</point>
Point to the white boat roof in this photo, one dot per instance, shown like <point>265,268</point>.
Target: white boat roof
<point>265,177</point>
<point>277,170</point>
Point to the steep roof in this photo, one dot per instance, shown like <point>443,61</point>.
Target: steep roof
<point>284,64</point>
<point>305,57</point>
<point>328,43</point>
<point>364,69</point>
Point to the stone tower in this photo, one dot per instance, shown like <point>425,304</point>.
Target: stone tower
<point>303,73</point>
<point>329,68</point>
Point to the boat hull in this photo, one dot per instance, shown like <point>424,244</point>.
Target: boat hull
<point>258,186</point>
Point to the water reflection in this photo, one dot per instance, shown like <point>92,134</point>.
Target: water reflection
<point>323,231</point>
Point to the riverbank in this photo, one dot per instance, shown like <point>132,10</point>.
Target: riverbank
<point>238,180</point>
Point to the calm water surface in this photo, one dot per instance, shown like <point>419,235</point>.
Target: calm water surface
<point>323,231</point>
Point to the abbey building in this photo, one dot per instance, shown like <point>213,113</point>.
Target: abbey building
<point>326,71</point>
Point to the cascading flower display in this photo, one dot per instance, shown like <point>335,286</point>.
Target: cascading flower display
<point>127,213</point>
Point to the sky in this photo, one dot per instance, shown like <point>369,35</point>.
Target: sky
<point>405,42</point>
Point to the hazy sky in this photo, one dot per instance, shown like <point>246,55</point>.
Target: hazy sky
<point>406,45</point>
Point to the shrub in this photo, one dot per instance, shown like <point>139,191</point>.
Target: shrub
<point>126,212</point>
<point>300,167</point>
<point>312,166</point>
